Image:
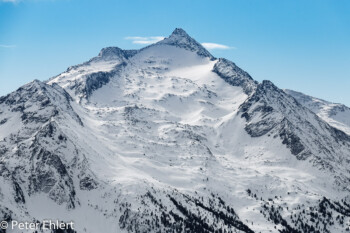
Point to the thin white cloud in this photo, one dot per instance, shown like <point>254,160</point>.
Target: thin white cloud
<point>212,46</point>
<point>144,40</point>
<point>7,46</point>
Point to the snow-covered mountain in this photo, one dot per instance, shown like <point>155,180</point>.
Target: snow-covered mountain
<point>337,115</point>
<point>169,138</point>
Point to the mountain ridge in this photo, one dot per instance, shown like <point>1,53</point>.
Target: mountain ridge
<point>335,114</point>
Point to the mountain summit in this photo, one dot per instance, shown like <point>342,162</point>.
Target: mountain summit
<point>181,39</point>
<point>179,32</point>
<point>170,139</point>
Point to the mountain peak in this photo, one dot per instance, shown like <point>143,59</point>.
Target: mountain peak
<point>111,52</point>
<point>181,39</point>
<point>179,32</point>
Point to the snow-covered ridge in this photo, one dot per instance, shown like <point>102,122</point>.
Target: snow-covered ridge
<point>84,78</point>
<point>337,115</point>
<point>169,139</point>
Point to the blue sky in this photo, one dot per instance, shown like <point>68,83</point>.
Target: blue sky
<point>302,44</point>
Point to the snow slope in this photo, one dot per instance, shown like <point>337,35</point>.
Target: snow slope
<point>169,139</point>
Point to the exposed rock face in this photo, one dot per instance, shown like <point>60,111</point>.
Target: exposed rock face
<point>30,148</point>
<point>114,53</point>
<point>234,75</point>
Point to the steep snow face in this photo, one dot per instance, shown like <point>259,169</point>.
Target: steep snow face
<point>169,139</point>
<point>337,115</point>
